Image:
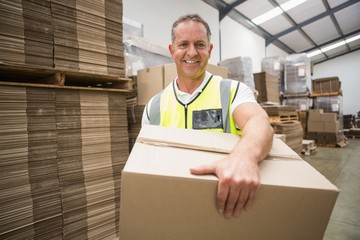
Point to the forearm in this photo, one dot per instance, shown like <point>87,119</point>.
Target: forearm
<point>256,140</point>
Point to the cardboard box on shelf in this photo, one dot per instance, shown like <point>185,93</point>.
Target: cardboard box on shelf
<point>161,199</point>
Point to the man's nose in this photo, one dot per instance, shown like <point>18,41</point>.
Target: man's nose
<point>192,51</point>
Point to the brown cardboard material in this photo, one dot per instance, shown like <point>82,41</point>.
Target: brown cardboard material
<point>331,126</point>
<point>315,126</point>
<point>314,114</point>
<point>161,199</point>
<point>149,82</point>
<point>329,117</point>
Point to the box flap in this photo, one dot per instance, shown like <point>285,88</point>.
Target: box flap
<point>176,162</point>
<point>206,141</point>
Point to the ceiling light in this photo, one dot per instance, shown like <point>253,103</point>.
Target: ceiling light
<point>267,16</point>
<point>291,4</point>
<point>335,45</point>
<point>276,11</point>
<point>352,39</point>
<point>314,53</point>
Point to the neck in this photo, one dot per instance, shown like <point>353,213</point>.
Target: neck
<point>189,85</point>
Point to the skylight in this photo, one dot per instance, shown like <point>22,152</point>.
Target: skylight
<point>276,11</point>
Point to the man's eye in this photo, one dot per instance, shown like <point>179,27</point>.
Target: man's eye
<point>200,45</point>
<point>182,45</point>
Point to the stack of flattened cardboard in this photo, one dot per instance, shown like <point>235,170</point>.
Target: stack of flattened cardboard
<point>16,209</point>
<point>38,31</point>
<point>61,157</point>
<point>26,33</point>
<point>12,40</point>
<point>294,134</point>
<point>67,35</point>
<point>285,120</point>
<point>75,22</point>
<point>275,67</point>
<point>161,199</point>
<point>29,193</point>
<point>267,86</point>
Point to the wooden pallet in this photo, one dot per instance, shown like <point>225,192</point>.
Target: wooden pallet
<point>340,144</point>
<point>283,119</point>
<point>48,77</point>
<point>326,94</point>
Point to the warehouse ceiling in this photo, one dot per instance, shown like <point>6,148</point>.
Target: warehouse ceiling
<point>312,27</point>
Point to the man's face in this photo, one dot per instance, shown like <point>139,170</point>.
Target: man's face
<point>190,49</point>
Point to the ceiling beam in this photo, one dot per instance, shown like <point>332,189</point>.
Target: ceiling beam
<point>269,40</point>
<point>223,12</point>
<point>335,56</point>
<point>333,41</point>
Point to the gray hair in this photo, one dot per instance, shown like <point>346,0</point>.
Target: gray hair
<point>190,17</point>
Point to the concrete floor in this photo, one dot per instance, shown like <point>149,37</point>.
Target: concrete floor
<point>342,167</point>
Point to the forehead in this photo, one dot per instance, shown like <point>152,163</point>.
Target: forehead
<point>191,29</point>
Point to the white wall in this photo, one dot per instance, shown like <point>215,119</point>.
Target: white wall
<point>347,68</point>
<point>157,17</point>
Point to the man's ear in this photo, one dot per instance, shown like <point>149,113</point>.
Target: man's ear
<point>210,49</point>
<point>171,50</point>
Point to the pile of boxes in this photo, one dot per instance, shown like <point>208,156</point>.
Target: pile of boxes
<point>267,86</point>
<point>297,73</point>
<point>324,128</point>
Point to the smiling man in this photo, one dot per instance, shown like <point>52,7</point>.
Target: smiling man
<point>196,99</point>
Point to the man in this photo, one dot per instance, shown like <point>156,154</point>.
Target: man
<point>199,100</point>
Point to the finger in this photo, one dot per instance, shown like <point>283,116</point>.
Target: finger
<point>251,199</point>
<point>232,201</point>
<point>203,169</point>
<point>222,196</point>
<point>242,200</point>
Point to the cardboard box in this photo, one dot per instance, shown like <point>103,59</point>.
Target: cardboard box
<point>331,126</point>
<point>314,114</point>
<point>328,117</point>
<point>161,199</point>
<point>315,126</point>
<point>149,82</point>
<point>326,85</point>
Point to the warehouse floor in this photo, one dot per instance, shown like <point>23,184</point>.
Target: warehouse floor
<point>342,167</point>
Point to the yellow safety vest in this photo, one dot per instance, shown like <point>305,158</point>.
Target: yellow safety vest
<point>209,110</point>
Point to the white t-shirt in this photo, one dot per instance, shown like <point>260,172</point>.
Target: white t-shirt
<point>243,95</point>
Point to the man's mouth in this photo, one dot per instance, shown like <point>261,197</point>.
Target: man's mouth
<point>190,61</point>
